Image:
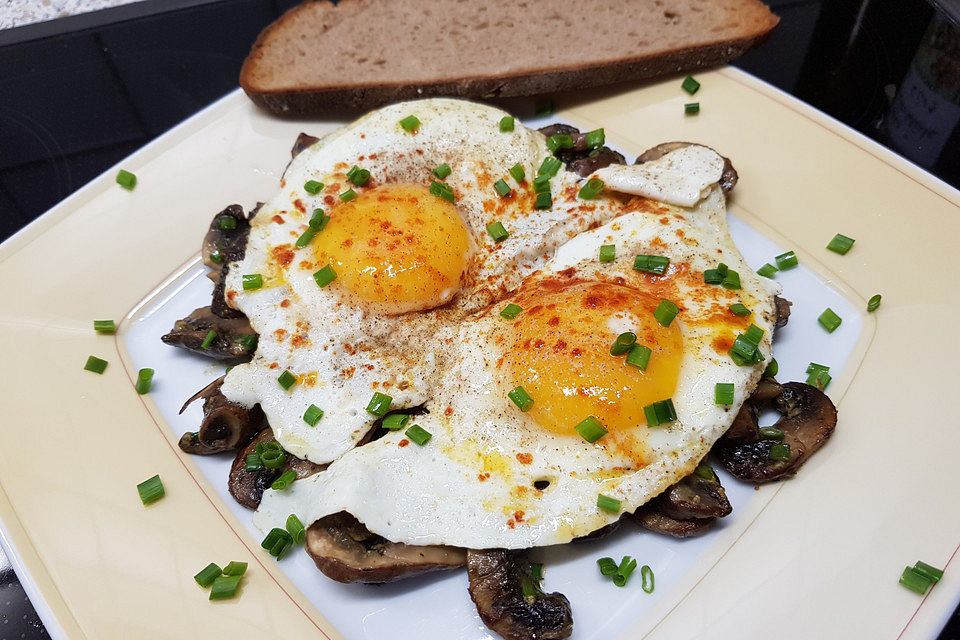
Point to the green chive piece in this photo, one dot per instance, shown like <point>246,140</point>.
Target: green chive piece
<point>549,167</point>
<point>443,171</point>
<point>560,141</point>
<point>235,568</point>
<point>639,356</point>
<point>723,269</point>
<point>126,180</point>
<point>740,310</point>
<point>228,223</point>
<point>306,238</point>
<point>787,260</point>
<point>312,415</point>
<point>590,429</point>
<point>770,433</point>
<point>252,281</point>
<point>395,421</point>
<point>312,187</point>
<point>712,276</point>
<point>150,490</point>
<point>418,434</point>
<point>874,303</point>
<point>287,379</point>
<point>829,320</point>
<point>544,108</point>
<point>767,270</point>
<point>819,375</point>
<point>253,462</point>
<point>607,503</point>
<point>207,575</point>
<point>591,189</point>
<point>731,280</point>
<point>271,454</point>
<point>541,184</point>
<point>705,471</point>
<point>626,567</point>
<point>665,312</point>
<point>646,579</point>
<point>286,479</point>
<point>608,566</point>
<point>506,124</point>
<point>249,341</point>
<point>623,343</point>
<point>442,190</point>
<point>691,108</point>
<point>497,231</point>
<point>690,85</point>
<point>544,201</point>
<point>517,172</point>
<point>104,326</point>
<point>502,188</point>
<point>780,451</point>
<point>224,587</point>
<point>723,393</point>
<point>754,334</point>
<point>608,252</point>
<point>216,256</point>
<point>529,588</point>
<point>358,176</point>
<point>662,411</point>
<point>95,364</point>
<point>928,571</point>
<point>511,311</point>
<point>650,413</point>
<point>379,404</point>
<point>296,529</point>
<point>277,542</point>
<point>144,381</point>
<point>651,264</point>
<point>410,124</point>
<point>595,138</point>
<point>318,220</point>
<point>207,341</point>
<point>348,195</point>
<point>772,368</point>
<point>521,398</point>
<point>325,276</point>
<point>536,571</point>
<point>840,244</point>
<point>915,581</point>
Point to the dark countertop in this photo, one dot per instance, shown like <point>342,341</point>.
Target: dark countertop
<point>83,92</point>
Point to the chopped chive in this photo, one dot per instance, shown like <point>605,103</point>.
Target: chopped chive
<point>651,264</point>
<point>208,574</point>
<point>287,478</point>
<point>544,108</point>
<point>623,343</point>
<point>126,179</point>
<point>873,303</point>
<point>608,252</point>
<point>754,334</point>
<point>150,490</point>
<point>410,124</point>
<point>506,124</point>
<point>511,311</point>
<point>358,176</point>
<point>249,341</point>
<point>549,167</point>
<point>271,454</point>
<point>254,463</point>
<point>770,433</point>
<point>712,276</point>
<point>608,566</point>
<point>705,471</point>
<point>443,171</point>
<point>819,375</point>
<point>348,195</point>
<point>780,451</point>
<point>379,404</point>
<point>840,244</point>
<point>731,280</point>
<point>591,189</point>
<point>418,434</point>
<point>544,200</point>
<point>521,398</point>
<point>536,571</point>
<point>104,326</point>
<point>772,368</point>
<point>312,186</point>
<point>646,579</point>
<point>325,276</point>
<point>787,260</point>
<point>286,379</point>
<point>306,237</point>
<point>502,188</point>
<point>252,281</point>
<point>442,190</point>
<point>312,415</point>
<point>607,503</point>
<point>739,309</point>
<point>767,270</point>
<point>395,421</point>
<point>318,220</point>
<point>639,356</point>
<point>228,223</point>
<point>928,571</point>
<point>216,256</point>
<point>829,320</point>
<point>626,567</point>
<point>590,429</point>
<point>277,542</point>
<point>915,581</point>
<point>95,364</point>
<point>560,141</point>
<point>296,529</point>
<point>208,340</point>
<point>235,568</point>
<point>723,393</point>
<point>723,269</point>
<point>690,85</point>
<point>517,172</point>
<point>691,108</point>
<point>665,312</point>
<point>541,184</point>
<point>497,231</point>
<point>660,412</point>
<point>529,588</point>
<point>595,138</point>
<point>144,381</point>
<point>224,587</point>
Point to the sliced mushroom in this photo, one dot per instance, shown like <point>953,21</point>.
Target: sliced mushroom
<point>649,518</point>
<point>695,496</point>
<point>496,586</point>
<point>808,417</point>
<point>247,487</point>
<point>226,239</point>
<point>235,340</point>
<point>346,551</point>
<point>783,311</point>
<point>580,159</point>
<point>728,178</point>
<point>744,425</point>
<point>602,532</point>
<point>226,425</point>
<point>304,141</point>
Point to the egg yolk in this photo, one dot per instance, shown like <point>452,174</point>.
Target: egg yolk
<point>561,356</point>
<point>398,246</point>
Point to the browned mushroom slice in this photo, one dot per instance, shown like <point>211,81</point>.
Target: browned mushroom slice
<point>509,599</point>
<point>346,551</point>
<point>226,238</point>
<point>304,141</point>
<point>728,179</point>
<point>649,518</point>
<point>235,339</point>
<point>226,425</point>
<point>247,487</point>
<point>580,159</point>
<point>699,495</point>
<point>808,417</point>
<point>744,425</point>
<point>783,311</point>
<point>602,532</point>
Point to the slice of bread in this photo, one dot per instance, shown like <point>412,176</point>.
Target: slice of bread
<point>320,57</point>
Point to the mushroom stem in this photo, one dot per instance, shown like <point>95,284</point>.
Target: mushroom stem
<point>226,425</point>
